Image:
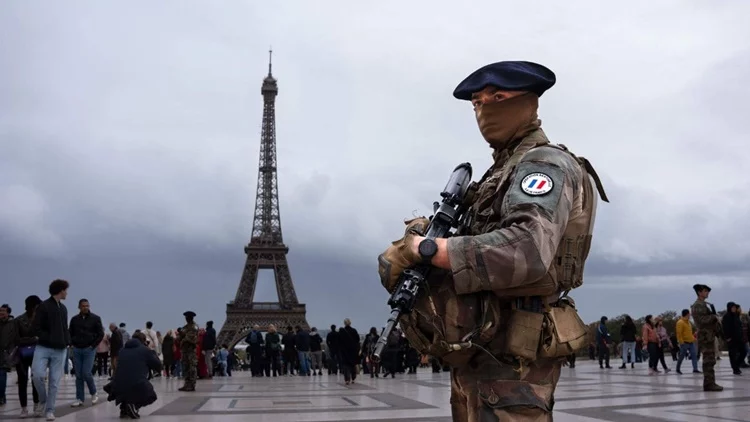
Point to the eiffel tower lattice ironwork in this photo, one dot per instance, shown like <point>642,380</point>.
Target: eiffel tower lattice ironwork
<point>266,249</point>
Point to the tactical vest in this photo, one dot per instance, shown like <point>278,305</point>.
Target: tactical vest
<point>443,317</point>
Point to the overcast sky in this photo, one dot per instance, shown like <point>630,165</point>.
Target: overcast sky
<point>129,138</point>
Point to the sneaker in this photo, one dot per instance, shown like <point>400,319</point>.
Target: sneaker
<point>50,416</point>
<point>76,403</point>
<point>24,413</point>
<point>94,398</point>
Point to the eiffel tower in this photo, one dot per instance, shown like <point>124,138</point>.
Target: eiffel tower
<point>266,249</point>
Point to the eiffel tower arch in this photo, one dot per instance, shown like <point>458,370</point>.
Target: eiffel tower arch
<point>266,249</point>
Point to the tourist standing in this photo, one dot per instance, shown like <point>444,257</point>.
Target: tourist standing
<point>273,352</point>
<point>350,349</point>
<point>208,346</point>
<point>51,327</point>
<point>316,352</point>
<point>7,338</point>
<point>115,344</point>
<point>86,332</point>
<point>686,340</point>
<point>332,341</point>
<point>627,336</point>
<point>25,341</point>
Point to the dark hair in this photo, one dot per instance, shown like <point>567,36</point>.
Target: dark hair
<point>58,286</point>
<point>628,320</point>
<point>314,329</point>
<point>373,331</point>
<point>82,300</point>
<point>149,324</point>
<point>289,328</point>
<point>604,319</point>
<point>32,302</point>
<point>6,307</point>
<point>648,319</point>
<point>122,325</point>
<point>209,323</point>
<point>225,346</point>
<point>333,327</point>
<point>140,336</point>
<point>685,312</point>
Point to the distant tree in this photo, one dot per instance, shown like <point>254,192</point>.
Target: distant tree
<point>241,354</point>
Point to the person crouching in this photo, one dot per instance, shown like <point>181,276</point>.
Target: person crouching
<point>130,388</point>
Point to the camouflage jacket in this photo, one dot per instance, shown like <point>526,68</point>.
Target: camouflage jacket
<point>528,234</point>
<point>189,336</point>
<point>704,315</point>
<point>531,224</point>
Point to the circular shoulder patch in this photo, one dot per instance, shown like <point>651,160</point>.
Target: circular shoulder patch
<point>536,184</point>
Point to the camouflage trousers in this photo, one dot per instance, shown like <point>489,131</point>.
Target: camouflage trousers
<point>189,367</point>
<point>707,346</point>
<point>488,391</point>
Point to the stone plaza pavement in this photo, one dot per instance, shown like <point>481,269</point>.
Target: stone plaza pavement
<point>585,394</point>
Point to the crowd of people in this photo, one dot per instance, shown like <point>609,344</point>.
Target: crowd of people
<point>43,342</point>
<point>687,341</point>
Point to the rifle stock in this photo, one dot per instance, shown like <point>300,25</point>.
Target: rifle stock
<point>448,214</point>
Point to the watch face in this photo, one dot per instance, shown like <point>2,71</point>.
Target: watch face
<point>427,248</point>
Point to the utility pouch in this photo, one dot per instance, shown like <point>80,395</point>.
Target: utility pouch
<point>564,331</point>
<point>524,334</point>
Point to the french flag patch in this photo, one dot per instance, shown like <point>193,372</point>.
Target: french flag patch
<point>536,184</point>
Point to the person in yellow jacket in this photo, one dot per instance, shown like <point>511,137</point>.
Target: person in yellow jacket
<point>686,339</point>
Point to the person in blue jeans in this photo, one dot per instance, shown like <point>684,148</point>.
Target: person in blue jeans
<point>686,340</point>
<point>86,332</point>
<point>302,342</point>
<point>51,326</point>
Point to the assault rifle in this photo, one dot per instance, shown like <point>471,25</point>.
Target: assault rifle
<point>447,215</point>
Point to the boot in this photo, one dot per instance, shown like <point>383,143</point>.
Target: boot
<point>623,366</point>
<point>713,387</point>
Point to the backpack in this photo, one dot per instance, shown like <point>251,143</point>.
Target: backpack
<point>254,338</point>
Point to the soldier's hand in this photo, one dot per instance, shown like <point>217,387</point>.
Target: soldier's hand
<point>401,254</point>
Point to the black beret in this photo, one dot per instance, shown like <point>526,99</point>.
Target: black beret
<point>507,76</point>
<point>190,314</point>
<point>700,287</point>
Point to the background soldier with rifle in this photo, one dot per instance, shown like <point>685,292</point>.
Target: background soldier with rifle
<point>491,299</point>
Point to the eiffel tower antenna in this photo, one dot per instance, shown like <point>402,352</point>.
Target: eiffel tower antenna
<point>270,57</point>
<point>266,249</point>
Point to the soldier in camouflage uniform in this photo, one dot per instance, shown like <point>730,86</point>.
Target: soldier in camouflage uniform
<point>188,344</point>
<point>528,235</point>
<point>709,326</point>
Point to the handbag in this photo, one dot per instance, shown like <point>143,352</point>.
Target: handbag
<point>26,352</point>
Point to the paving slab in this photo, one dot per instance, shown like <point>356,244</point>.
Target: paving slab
<point>585,394</point>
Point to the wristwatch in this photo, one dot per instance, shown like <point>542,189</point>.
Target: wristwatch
<point>427,250</point>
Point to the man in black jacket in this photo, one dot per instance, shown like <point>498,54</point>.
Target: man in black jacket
<point>51,326</point>
<point>208,346</point>
<point>332,341</point>
<point>732,327</point>
<point>130,387</point>
<point>86,332</point>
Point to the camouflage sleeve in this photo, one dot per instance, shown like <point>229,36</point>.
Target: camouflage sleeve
<point>535,214</point>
